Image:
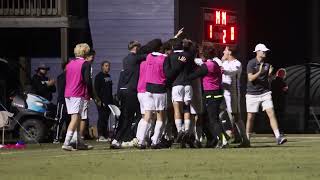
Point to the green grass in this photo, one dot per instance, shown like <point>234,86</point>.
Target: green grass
<point>299,159</point>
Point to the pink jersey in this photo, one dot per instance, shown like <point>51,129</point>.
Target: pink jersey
<point>141,88</point>
<point>155,72</point>
<point>75,85</point>
<point>212,81</point>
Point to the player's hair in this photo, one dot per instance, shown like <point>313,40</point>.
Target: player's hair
<point>133,44</point>
<point>81,50</point>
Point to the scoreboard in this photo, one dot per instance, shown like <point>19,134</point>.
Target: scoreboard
<point>220,26</point>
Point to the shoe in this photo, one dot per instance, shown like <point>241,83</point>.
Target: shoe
<point>127,144</point>
<point>212,143</point>
<point>56,141</point>
<point>103,139</point>
<point>281,140</point>
<point>244,144</point>
<point>81,146</point>
<point>141,146</point>
<point>156,146</point>
<point>115,145</point>
<point>184,140</point>
<point>197,144</point>
<point>180,136</point>
<point>68,148</point>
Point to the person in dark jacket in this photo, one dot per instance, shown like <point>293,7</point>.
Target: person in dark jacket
<point>41,84</point>
<point>103,88</point>
<point>130,107</point>
<point>62,116</point>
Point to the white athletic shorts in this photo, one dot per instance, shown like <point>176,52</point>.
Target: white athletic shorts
<point>141,98</point>
<point>253,102</point>
<point>182,93</point>
<point>74,105</point>
<point>155,101</point>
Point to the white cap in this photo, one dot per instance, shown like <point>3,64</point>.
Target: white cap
<point>261,47</point>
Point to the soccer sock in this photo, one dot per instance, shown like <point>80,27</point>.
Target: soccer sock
<point>141,132</point>
<point>187,124</point>
<point>198,132</point>
<point>138,127</point>
<point>276,133</point>
<point>178,123</point>
<point>157,130</point>
<point>68,137</point>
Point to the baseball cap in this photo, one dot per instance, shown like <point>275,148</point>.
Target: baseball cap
<point>261,47</point>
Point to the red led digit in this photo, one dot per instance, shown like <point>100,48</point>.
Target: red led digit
<point>210,32</point>
<point>217,17</point>
<point>224,18</point>
<point>224,36</point>
<point>232,34</point>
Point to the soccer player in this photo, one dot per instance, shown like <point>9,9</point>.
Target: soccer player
<point>78,72</point>
<point>258,92</point>
<point>231,85</point>
<point>212,94</point>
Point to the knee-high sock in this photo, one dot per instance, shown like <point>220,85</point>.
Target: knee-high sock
<point>157,131</point>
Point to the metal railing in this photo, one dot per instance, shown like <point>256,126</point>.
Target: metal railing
<point>33,7</point>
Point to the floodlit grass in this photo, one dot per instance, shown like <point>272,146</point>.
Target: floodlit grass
<point>298,159</point>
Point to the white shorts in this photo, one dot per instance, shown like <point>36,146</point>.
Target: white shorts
<point>253,102</point>
<point>182,93</point>
<point>84,112</point>
<point>74,105</point>
<point>155,101</point>
<point>141,98</point>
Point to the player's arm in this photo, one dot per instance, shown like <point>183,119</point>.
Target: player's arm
<point>252,77</point>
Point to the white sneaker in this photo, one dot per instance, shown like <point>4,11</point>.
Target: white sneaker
<point>103,139</point>
<point>68,148</point>
<point>115,144</point>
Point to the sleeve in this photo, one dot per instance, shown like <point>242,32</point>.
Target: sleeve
<point>87,77</point>
<point>38,87</point>
<point>200,72</point>
<point>97,85</point>
<point>140,58</point>
<point>234,70</point>
<point>250,69</point>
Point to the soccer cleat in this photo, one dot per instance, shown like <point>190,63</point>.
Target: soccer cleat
<point>115,145</point>
<point>197,144</point>
<point>81,146</point>
<point>244,144</point>
<point>103,139</point>
<point>156,146</point>
<point>68,148</point>
<point>56,141</point>
<point>180,136</point>
<point>281,140</point>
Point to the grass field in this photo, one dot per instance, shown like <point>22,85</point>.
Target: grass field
<point>298,159</point>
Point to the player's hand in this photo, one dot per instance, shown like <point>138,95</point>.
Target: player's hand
<point>51,82</point>
<point>261,67</point>
<point>270,69</point>
<point>179,33</point>
<point>182,58</point>
<point>198,61</point>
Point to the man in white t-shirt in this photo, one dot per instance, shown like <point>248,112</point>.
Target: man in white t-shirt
<point>231,84</point>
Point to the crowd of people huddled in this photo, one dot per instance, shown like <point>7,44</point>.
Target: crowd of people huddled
<point>172,91</point>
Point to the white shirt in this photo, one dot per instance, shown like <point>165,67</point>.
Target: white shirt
<point>231,74</point>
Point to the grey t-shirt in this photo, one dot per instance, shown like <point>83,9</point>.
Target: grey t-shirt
<point>261,84</point>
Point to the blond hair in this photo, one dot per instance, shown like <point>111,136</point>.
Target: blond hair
<point>81,50</point>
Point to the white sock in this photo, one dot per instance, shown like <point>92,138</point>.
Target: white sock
<point>139,124</point>
<point>178,123</point>
<point>157,130</point>
<point>68,138</point>
<point>141,131</point>
<point>276,133</point>
<point>187,124</point>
